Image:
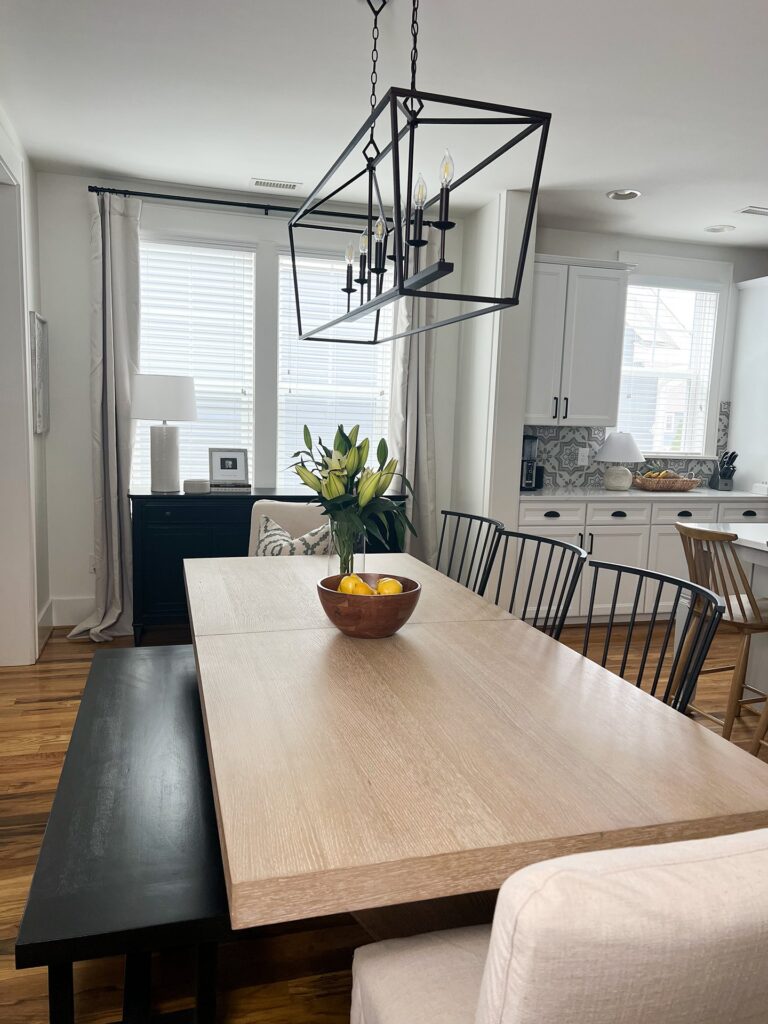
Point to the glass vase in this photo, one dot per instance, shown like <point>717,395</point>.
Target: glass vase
<point>346,553</point>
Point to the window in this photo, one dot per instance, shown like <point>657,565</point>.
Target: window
<point>323,384</point>
<point>667,379</point>
<point>197,319</point>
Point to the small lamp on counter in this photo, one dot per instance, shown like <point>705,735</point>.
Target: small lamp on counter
<point>619,447</point>
<point>163,397</point>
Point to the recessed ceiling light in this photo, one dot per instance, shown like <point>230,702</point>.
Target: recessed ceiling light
<point>717,229</point>
<point>624,193</point>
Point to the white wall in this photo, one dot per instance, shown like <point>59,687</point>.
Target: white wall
<point>64,268</point>
<point>749,415</point>
<point>492,364</point>
<point>747,263</point>
<point>24,606</point>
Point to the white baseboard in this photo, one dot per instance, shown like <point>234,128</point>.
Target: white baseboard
<point>44,624</point>
<point>68,611</point>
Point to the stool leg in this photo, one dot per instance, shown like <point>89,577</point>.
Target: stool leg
<point>206,983</point>
<point>61,994</point>
<point>760,731</point>
<point>737,686</point>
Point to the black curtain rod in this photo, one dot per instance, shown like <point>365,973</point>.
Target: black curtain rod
<point>266,208</point>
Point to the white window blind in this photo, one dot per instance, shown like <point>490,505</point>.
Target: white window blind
<point>322,383</point>
<point>666,377</point>
<point>197,319</point>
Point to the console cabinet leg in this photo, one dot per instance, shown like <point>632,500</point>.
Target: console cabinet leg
<point>206,983</point>
<point>137,992</point>
<point>61,994</point>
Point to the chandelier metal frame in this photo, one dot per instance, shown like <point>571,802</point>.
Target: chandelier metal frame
<point>403,111</point>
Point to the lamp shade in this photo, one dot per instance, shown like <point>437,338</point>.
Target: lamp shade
<point>620,447</point>
<point>158,396</point>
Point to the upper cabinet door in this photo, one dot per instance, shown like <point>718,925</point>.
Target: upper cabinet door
<point>594,338</point>
<point>550,288</point>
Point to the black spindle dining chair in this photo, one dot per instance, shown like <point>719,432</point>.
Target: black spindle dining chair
<point>466,546</point>
<point>535,577</point>
<point>669,652</point>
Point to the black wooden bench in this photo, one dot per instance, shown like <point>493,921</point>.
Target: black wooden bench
<point>130,860</point>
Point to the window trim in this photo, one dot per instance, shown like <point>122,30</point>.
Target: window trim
<point>720,343</point>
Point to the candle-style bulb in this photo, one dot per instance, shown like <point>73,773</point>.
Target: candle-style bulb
<point>349,253</point>
<point>446,169</point>
<point>364,243</point>
<point>420,193</point>
<point>379,230</point>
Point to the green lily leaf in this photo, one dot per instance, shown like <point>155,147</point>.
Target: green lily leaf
<point>382,452</point>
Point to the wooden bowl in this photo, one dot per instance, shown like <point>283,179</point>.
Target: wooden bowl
<point>366,617</point>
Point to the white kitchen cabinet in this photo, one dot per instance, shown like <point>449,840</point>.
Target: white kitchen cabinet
<point>625,545</point>
<point>577,333</point>
<point>665,554</point>
<point>592,346</point>
<point>550,287</point>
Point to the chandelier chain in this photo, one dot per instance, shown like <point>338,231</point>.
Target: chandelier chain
<point>415,43</point>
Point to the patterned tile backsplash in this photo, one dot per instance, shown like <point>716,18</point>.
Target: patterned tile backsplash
<point>559,454</point>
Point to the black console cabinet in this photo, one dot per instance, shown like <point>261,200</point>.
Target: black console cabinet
<point>167,528</point>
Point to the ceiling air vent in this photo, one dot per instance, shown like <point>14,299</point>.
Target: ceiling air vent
<point>757,211</point>
<point>273,185</point>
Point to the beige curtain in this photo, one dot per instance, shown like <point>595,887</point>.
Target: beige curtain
<point>114,361</point>
<point>411,427</point>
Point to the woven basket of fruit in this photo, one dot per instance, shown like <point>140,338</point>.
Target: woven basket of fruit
<point>664,480</point>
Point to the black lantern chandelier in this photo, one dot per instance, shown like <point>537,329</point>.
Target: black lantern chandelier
<point>392,246</point>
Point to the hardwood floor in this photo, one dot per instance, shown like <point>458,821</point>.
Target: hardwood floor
<point>291,975</point>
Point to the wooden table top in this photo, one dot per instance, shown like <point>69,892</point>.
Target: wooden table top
<point>259,595</point>
<point>351,774</point>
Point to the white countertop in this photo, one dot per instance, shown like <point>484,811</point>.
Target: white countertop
<point>634,494</point>
<point>751,535</point>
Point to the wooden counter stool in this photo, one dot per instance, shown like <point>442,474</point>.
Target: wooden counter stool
<point>713,562</point>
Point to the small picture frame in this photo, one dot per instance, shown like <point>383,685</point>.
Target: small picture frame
<point>38,333</point>
<point>228,467</point>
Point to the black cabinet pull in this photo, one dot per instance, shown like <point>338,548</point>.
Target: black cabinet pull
<point>581,540</point>
<point>557,402</point>
<point>685,514</point>
<point>551,514</point>
<point>591,543</point>
<point>565,408</point>
<point>618,514</point>
<point>749,512</point>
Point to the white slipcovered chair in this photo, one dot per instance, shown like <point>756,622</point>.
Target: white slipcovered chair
<point>668,934</point>
<point>296,517</point>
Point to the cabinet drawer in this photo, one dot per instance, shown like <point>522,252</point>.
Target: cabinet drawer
<point>542,514</point>
<point>738,512</point>
<point>680,512</point>
<point>606,513</point>
<point>206,509</point>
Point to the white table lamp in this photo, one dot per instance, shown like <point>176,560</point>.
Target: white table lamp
<point>619,447</point>
<point>162,397</point>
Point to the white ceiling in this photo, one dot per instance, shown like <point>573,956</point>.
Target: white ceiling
<point>667,96</point>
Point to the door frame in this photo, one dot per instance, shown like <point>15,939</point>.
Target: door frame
<point>18,584</point>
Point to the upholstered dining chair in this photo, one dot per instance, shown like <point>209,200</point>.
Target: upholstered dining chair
<point>297,517</point>
<point>714,562</point>
<point>664,654</point>
<point>535,578</point>
<point>465,548</point>
<point>672,933</point>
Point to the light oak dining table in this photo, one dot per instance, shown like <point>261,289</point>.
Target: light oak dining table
<point>353,774</point>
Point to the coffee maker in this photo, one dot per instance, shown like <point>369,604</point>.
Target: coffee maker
<point>531,474</point>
